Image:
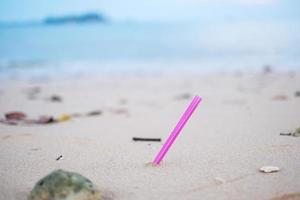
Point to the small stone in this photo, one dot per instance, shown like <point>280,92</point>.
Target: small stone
<point>94,113</point>
<point>297,94</point>
<point>55,98</point>
<point>183,96</point>
<point>61,184</point>
<point>269,169</point>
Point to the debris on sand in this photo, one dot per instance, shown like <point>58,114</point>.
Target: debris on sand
<point>286,134</point>
<point>62,184</point>
<point>15,116</point>
<point>269,169</point>
<point>146,139</point>
<point>64,117</point>
<point>297,94</point>
<point>296,133</point>
<point>45,120</point>
<point>59,157</point>
<point>183,96</point>
<point>94,113</point>
<point>280,97</point>
<point>20,118</point>
<point>55,98</point>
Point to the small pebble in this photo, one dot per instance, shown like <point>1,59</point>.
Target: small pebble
<point>55,98</point>
<point>94,113</point>
<point>183,96</point>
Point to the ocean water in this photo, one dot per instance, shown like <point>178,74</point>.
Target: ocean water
<point>129,47</point>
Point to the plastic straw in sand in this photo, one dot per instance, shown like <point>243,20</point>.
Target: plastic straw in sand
<point>185,117</point>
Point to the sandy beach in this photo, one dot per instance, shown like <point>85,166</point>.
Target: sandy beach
<point>234,131</point>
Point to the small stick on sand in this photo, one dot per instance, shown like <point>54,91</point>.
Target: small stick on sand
<point>146,139</point>
<point>59,157</point>
<point>286,134</point>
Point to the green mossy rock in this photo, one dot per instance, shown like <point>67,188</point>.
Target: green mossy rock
<point>64,185</point>
<point>297,132</point>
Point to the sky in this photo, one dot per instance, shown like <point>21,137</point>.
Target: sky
<point>154,10</point>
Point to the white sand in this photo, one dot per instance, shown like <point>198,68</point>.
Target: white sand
<point>234,132</point>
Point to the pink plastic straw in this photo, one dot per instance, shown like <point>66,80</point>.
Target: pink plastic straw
<point>185,117</point>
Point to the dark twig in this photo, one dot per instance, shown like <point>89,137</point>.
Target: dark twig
<point>146,139</point>
<point>286,134</point>
<point>59,157</point>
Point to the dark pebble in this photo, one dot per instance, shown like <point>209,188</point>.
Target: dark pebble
<point>55,98</point>
<point>94,113</point>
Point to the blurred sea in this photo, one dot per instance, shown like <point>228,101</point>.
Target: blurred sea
<point>143,48</point>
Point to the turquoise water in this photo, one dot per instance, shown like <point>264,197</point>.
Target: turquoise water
<point>122,47</point>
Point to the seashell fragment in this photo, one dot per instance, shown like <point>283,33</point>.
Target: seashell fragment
<point>269,169</point>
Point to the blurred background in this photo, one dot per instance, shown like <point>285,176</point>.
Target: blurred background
<point>84,37</point>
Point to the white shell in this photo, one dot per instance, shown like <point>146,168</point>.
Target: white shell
<point>269,169</point>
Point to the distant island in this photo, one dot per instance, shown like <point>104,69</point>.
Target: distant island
<point>75,19</point>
